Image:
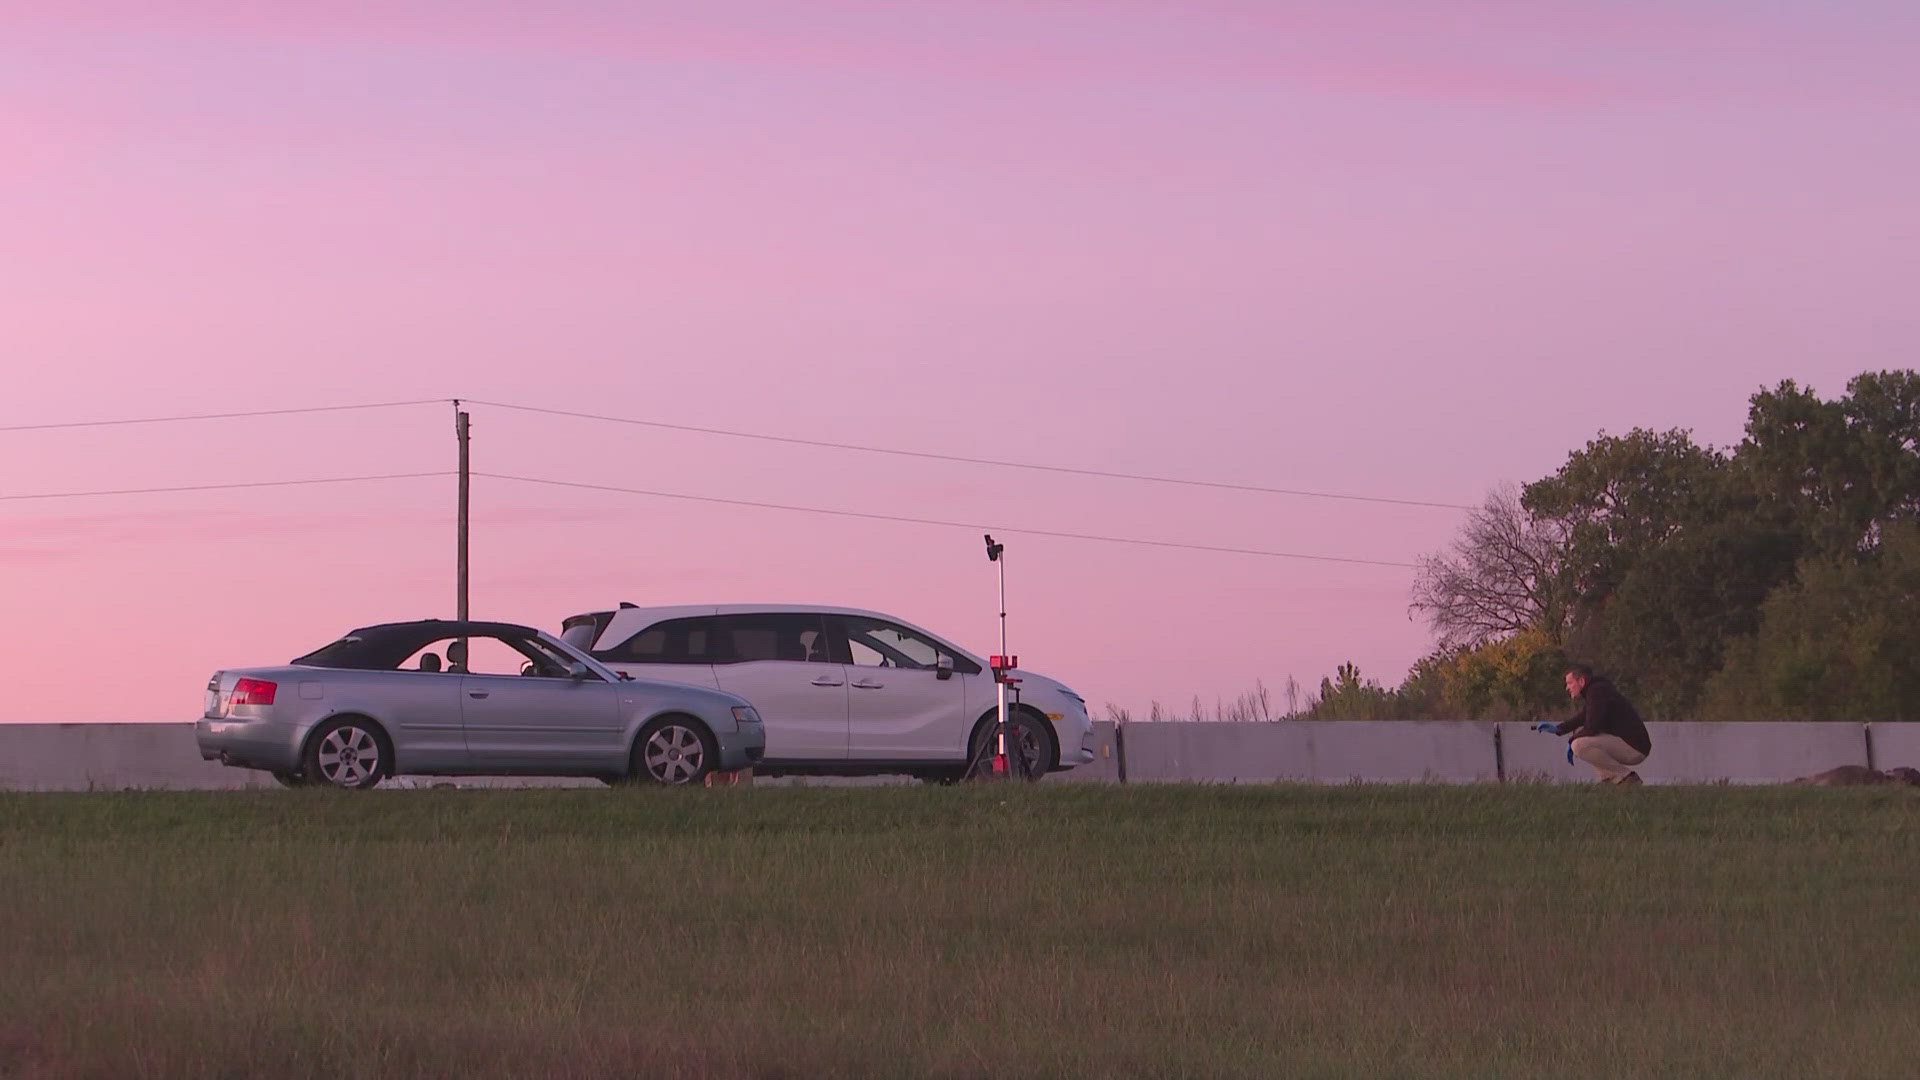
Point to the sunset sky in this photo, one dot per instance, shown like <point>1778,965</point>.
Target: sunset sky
<point>1391,249</point>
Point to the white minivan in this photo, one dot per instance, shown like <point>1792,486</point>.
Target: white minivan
<point>843,691</point>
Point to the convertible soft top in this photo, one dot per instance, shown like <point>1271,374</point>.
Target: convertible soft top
<point>385,646</point>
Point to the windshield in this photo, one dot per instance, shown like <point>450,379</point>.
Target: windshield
<point>574,652</point>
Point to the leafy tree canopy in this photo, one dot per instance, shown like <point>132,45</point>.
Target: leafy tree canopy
<point>1778,578</point>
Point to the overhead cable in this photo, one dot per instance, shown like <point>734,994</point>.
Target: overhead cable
<point>226,487</point>
<point>927,455</point>
<point>948,524</point>
<point>764,437</point>
<point>222,415</point>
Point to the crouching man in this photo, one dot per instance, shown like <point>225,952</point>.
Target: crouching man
<point>1607,733</point>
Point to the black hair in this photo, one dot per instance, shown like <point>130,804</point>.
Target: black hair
<point>1585,671</point>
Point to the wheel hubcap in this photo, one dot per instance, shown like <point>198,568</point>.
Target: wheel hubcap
<point>349,756</point>
<point>674,755</point>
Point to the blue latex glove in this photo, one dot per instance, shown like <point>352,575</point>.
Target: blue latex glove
<point>1569,753</point>
<point>1545,725</point>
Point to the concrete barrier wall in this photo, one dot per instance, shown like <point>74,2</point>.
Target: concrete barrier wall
<point>1895,745</point>
<point>1402,751</point>
<point>80,757</point>
<point>1333,751</point>
<point>1747,752</point>
<point>119,757</point>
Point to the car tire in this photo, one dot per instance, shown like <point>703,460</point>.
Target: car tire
<point>1032,752</point>
<point>673,751</point>
<point>348,752</point>
<point>290,779</point>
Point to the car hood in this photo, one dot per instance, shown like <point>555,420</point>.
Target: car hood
<point>1031,682</point>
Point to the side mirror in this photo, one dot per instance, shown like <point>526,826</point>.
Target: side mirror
<point>943,668</point>
<point>577,671</point>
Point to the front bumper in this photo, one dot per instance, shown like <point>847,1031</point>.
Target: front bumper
<point>742,748</point>
<point>1073,734</point>
<point>250,744</point>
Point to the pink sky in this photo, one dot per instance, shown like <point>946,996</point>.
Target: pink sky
<point>1400,249</point>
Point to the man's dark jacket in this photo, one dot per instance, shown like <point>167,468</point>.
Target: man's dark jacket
<point>1604,712</point>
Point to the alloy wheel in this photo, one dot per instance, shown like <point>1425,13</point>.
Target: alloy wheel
<point>348,756</point>
<point>674,754</point>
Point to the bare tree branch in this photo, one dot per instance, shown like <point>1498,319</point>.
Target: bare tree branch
<point>1504,573</point>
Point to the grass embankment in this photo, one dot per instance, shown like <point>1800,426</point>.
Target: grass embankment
<point>975,931</point>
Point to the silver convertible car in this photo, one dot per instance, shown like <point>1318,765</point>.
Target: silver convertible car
<point>468,698</point>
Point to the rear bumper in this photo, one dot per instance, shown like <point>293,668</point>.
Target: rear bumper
<point>250,744</point>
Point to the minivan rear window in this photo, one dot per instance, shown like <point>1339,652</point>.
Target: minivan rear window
<point>581,631</point>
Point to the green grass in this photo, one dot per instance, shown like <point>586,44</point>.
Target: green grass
<point>974,931</point>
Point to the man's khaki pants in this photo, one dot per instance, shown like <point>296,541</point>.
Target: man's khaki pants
<point>1609,755</point>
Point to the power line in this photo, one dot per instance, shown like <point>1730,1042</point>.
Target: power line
<point>926,455</point>
<point>225,487</point>
<point>761,436</point>
<point>221,416</point>
<point>709,499</point>
<point>949,524</point>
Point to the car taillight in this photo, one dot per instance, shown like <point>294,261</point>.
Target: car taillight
<point>254,692</point>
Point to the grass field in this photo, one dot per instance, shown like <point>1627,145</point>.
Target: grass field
<point>973,931</point>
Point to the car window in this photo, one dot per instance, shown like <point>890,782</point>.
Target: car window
<point>878,643</point>
<point>581,631</point>
<point>738,639</point>
<point>431,657</point>
<point>486,656</point>
<point>676,641</point>
<point>548,662</point>
<point>864,654</point>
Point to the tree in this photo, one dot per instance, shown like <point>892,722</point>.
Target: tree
<point>1347,696</point>
<point>1666,562</point>
<point>1663,631</point>
<point>1506,573</point>
<point>1623,496</point>
<point>1521,677</point>
<point>1840,470</point>
<point>1518,677</point>
<point>1841,643</point>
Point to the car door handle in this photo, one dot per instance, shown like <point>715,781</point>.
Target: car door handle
<point>868,684</point>
<point>828,680</point>
<point>477,693</point>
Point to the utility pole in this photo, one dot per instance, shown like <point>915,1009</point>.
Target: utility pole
<point>460,555</point>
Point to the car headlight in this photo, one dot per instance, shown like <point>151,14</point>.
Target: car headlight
<point>744,714</point>
<point>1076,705</point>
